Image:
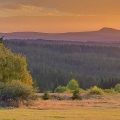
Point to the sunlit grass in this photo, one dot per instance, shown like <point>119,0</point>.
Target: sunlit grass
<point>77,113</point>
<point>106,107</point>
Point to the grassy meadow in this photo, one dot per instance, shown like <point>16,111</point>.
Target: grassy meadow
<point>77,113</point>
<point>106,107</point>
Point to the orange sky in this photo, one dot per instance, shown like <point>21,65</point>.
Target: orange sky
<point>58,15</point>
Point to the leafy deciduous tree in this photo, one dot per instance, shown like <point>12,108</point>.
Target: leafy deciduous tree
<point>13,67</point>
<point>73,84</point>
<point>117,88</point>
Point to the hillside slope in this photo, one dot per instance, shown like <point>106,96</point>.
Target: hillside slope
<point>103,35</point>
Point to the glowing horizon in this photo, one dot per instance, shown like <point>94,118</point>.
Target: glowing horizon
<point>58,16</point>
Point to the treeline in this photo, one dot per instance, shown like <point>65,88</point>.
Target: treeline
<point>61,42</point>
<point>52,65</point>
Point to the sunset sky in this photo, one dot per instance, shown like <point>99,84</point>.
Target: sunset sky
<point>56,16</point>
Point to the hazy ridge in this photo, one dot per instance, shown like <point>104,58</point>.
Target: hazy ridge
<point>102,35</point>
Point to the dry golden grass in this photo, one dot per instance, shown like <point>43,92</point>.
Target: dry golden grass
<point>106,100</point>
<point>106,107</point>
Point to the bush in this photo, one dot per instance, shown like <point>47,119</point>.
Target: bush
<point>73,84</point>
<point>112,91</point>
<point>61,89</point>
<point>81,90</point>
<point>46,96</point>
<point>96,90</point>
<point>16,90</point>
<point>76,94</point>
<point>117,88</point>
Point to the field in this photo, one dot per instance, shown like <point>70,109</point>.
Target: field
<point>106,107</point>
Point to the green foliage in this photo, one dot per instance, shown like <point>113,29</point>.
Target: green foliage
<point>112,91</point>
<point>61,89</point>
<point>76,94</point>
<point>13,67</point>
<point>16,90</point>
<point>53,63</point>
<point>46,96</point>
<point>117,88</point>
<point>96,90</point>
<point>73,84</point>
<point>81,90</point>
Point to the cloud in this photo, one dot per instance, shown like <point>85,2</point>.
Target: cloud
<point>31,11</point>
<point>58,15</point>
<point>86,7</point>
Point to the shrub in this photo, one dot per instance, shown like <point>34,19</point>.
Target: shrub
<point>96,90</point>
<point>117,88</point>
<point>46,96</point>
<point>16,90</point>
<point>81,90</point>
<point>61,89</point>
<point>76,94</point>
<point>73,84</point>
<point>112,91</point>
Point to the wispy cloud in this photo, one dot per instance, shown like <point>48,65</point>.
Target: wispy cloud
<point>21,11</point>
<point>58,15</point>
<point>66,7</point>
<point>34,11</point>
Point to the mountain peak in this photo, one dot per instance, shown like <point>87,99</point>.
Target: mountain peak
<point>107,29</point>
<point>104,34</point>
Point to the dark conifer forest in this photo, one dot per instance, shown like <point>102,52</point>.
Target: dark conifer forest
<point>54,63</point>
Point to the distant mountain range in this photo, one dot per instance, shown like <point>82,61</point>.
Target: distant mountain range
<point>102,35</point>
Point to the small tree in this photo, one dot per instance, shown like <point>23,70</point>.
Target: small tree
<point>117,88</point>
<point>46,96</point>
<point>76,94</point>
<point>73,84</point>
<point>61,89</point>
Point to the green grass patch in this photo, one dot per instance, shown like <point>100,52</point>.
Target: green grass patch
<point>77,113</point>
